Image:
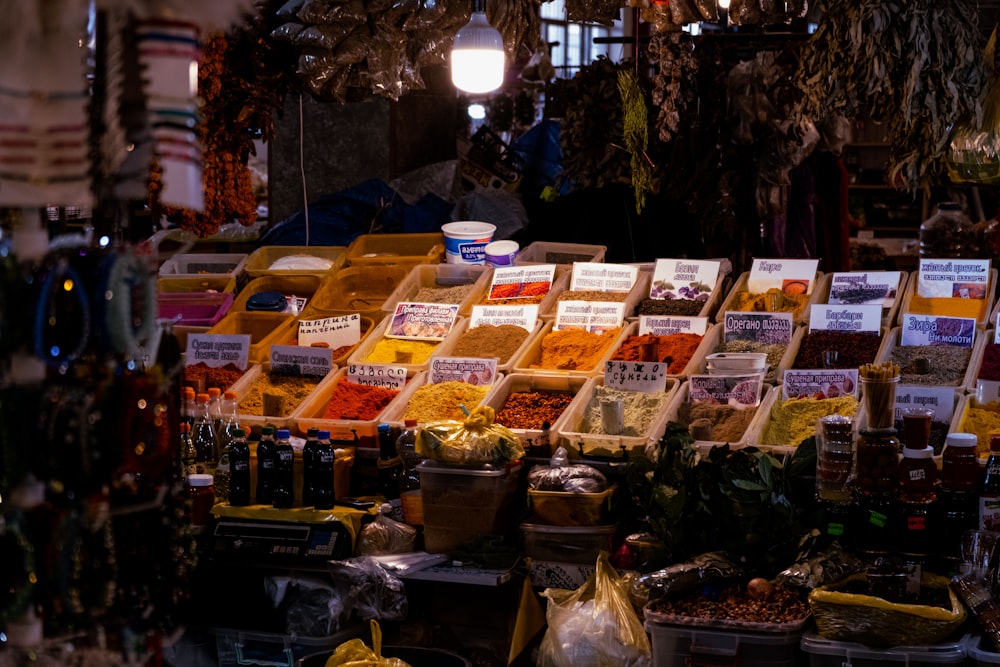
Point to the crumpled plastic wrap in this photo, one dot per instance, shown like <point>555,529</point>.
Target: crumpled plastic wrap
<point>561,475</point>
<point>475,441</point>
<point>825,568</point>
<point>369,589</point>
<point>680,577</point>
<point>312,607</point>
<point>385,536</point>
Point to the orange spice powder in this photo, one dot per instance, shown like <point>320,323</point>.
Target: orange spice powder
<point>574,349</point>
<point>678,348</point>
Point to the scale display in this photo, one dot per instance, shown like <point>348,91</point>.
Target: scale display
<point>270,541</point>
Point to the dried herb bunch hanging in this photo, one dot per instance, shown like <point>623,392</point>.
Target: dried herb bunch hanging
<point>915,65</point>
<point>674,82</point>
<point>636,135</point>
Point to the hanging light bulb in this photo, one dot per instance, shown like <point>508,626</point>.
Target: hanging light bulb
<point>723,4</point>
<point>477,58</point>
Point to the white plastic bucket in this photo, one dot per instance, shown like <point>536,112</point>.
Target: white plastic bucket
<point>501,253</point>
<point>465,241</point>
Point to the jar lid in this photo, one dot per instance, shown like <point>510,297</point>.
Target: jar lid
<point>239,433</point>
<point>282,433</point>
<point>271,301</point>
<point>323,435</point>
<point>925,453</point>
<point>410,423</point>
<point>961,440</point>
<point>267,430</point>
<point>198,479</point>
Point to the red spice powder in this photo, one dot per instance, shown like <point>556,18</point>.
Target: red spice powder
<point>223,377</point>
<point>350,400</point>
<point>678,348</point>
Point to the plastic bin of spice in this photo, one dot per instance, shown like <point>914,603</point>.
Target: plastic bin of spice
<point>261,260</point>
<point>697,360</point>
<point>503,366</point>
<point>761,421</point>
<point>600,443</point>
<point>708,307</point>
<point>536,382</point>
<point>463,504</point>
<point>824,652</point>
<point>774,373</point>
<point>639,291</point>
<point>441,277</point>
<point>673,413</point>
<point>402,249</point>
<point>395,414</point>
<point>888,314</point>
<point>264,329</point>
<point>288,407</point>
<point>942,368</point>
<point>791,357</point>
<point>733,298</point>
<point>198,264</point>
<point>560,282</point>
<point>196,309</point>
<point>200,283</point>
<point>680,646</point>
<point>367,326</point>
<point>356,289</point>
<point>440,348</point>
<point>533,352</point>
<point>551,252</point>
<point>984,420</point>
<point>567,544</point>
<point>301,286</point>
<point>984,313</point>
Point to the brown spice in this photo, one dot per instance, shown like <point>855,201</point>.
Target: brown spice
<point>223,377</point>
<point>488,340</point>
<point>854,349</point>
<point>293,389</point>
<point>945,364</point>
<point>682,307</point>
<point>574,349</point>
<point>530,409</point>
<point>728,423</point>
<point>453,294</point>
<point>591,295</point>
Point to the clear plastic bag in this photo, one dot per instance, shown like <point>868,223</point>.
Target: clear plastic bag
<point>594,625</point>
<point>385,536</point>
<point>680,577</point>
<point>312,607</point>
<point>355,653</point>
<point>476,441</point>
<point>369,589</point>
<point>561,475</point>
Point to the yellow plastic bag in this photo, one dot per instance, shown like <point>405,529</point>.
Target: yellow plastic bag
<point>475,441</point>
<point>355,653</point>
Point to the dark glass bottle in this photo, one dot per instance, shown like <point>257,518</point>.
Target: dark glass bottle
<point>389,467</point>
<point>284,470</point>
<point>917,495</point>
<point>204,437</point>
<point>309,467</point>
<point>239,468</point>
<point>187,452</point>
<point>323,495</point>
<point>409,477</point>
<point>265,466</point>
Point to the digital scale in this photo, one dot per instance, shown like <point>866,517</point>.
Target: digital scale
<point>292,544</point>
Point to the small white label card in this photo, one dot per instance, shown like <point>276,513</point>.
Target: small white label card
<point>521,282</point>
<point>820,383</point>
<point>739,391</point>
<point>934,330</point>
<point>792,276</point>
<point>865,288</point>
<point>377,375</point>
<point>953,278</point>
<point>335,332</point>
<point>692,279</point>
<point>825,317</point>
<point>594,316</point>
<point>939,399</point>
<point>666,325</point>
<point>422,321</point>
<point>521,316</point>
<point>646,376</point>
<point>217,350</point>
<point>766,328</point>
<point>295,360</point>
<point>603,277</point>
<point>459,369</point>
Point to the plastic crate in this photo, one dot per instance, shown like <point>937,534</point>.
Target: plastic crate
<point>205,283</point>
<point>562,508</point>
<point>687,646</point>
<point>752,432</point>
<point>988,313</point>
<point>197,264</point>
<point>462,326</point>
<point>395,413</point>
<point>567,544</point>
<point>967,382</point>
<point>440,275</point>
<point>707,310</point>
<point>639,291</point>
<point>356,289</point>
<point>533,352</point>
<point>243,647</point>
<point>718,335</point>
<point>550,252</point>
<point>195,309</point>
<point>260,260</point>
<point>829,653</point>
<point>463,504</point>
<point>243,386</point>
<point>888,314</point>
<point>403,249</point>
<point>304,286</point>
<point>366,346</point>
<point>516,382</point>
<point>980,650</point>
<point>697,361</point>
<point>263,328</point>
<point>729,303</point>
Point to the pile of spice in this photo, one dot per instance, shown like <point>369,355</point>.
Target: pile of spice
<point>948,306</point>
<point>682,307</point>
<point>531,409</point>
<point>716,422</point>
<point>590,295</point>
<point>363,402</point>
<point>290,389</point>
<point>777,604</point>
<point>574,349</point>
<point>453,294</point>
<point>488,340</point>
<point>517,294</point>
<point>641,409</point>
<point>774,351</point>
<point>201,375</point>
<point>990,368</point>
<point>385,350</point>
<point>942,365</point>
<point>674,349</point>
<point>852,348</point>
<point>434,402</point>
<point>794,420</point>
<point>982,419</point>
<point>763,303</point>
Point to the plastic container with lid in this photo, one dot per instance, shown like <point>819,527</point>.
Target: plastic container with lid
<point>202,494</point>
<point>917,475</point>
<point>948,233</point>
<point>959,463</point>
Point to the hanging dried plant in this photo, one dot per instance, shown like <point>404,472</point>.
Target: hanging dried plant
<point>636,135</point>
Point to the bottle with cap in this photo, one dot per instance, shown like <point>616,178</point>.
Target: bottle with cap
<point>389,468</point>
<point>958,500</point>
<point>309,467</point>
<point>265,466</point>
<point>202,495</point>
<point>215,410</point>
<point>239,469</point>
<point>284,470</point>
<point>186,451</point>
<point>917,494</point>
<point>409,478</point>
<point>204,437</point>
<point>323,494</point>
<point>959,462</point>
<point>989,490</point>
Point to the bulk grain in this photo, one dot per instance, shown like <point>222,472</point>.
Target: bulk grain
<point>725,423</point>
<point>292,389</point>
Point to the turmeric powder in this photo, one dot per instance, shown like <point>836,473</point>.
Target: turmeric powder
<point>385,350</point>
<point>574,349</point>
<point>948,306</point>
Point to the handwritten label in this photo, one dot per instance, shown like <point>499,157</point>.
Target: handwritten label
<point>520,316</point>
<point>217,350</point>
<point>953,278</point>
<point>939,399</point>
<point>738,391</point>
<point>603,277</point>
<point>645,376</point>
<point>865,288</point>
<point>795,276</point>
<point>594,316</point>
<point>692,279</point>
<point>422,321</point>
<point>334,331</point>
<point>931,330</point>
<point>820,383</point>
<point>459,369</point>
<point>521,282</point>
<point>825,317</point>
<point>766,328</point>
<point>660,325</point>
<point>295,360</point>
<point>377,375</point>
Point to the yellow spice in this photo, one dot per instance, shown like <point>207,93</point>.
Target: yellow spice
<point>385,350</point>
<point>434,402</point>
<point>794,420</point>
<point>983,421</point>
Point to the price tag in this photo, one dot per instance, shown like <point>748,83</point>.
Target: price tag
<point>692,279</point>
<point>865,288</point>
<point>422,321</point>
<point>521,282</point>
<point>603,277</point>
<point>521,316</point>
<point>953,278</point>
<point>820,383</point>
<point>295,360</point>
<point>594,316</point>
<point>824,317</point>
<point>738,391</point>
<point>217,350</point>
<point>931,330</point>
<point>480,370</point>
<point>661,325</point>
<point>766,328</point>
<point>645,376</point>
<point>794,276</point>
<point>334,331</point>
<point>377,375</point>
<point>939,399</point>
